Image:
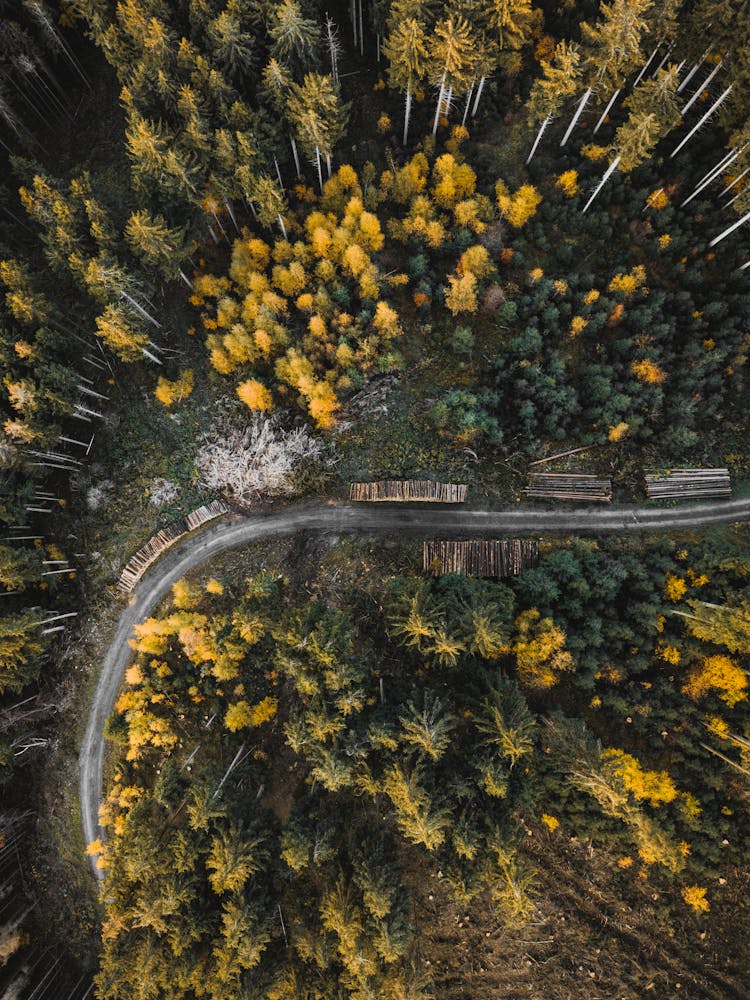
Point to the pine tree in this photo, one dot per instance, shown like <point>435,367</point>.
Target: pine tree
<point>231,41</point>
<point>454,55</point>
<point>22,646</point>
<point>406,48</point>
<point>317,116</point>
<point>295,37</point>
<point>613,45</point>
<point>559,81</point>
<point>152,240</point>
<point>505,721</point>
<point>427,726</point>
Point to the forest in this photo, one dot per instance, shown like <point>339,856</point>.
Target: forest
<point>252,251</point>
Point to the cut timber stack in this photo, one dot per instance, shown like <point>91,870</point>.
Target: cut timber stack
<point>205,513</point>
<point>568,486</point>
<point>150,552</point>
<point>689,484</point>
<point>424,490</point>
<point>480,558</point>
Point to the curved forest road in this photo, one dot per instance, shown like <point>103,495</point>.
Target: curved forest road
<point>342,518</point>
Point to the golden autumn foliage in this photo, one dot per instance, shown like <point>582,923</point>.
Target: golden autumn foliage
<point>627,283</point>
<point>594,152</point>
<point>539,649</point>
<point>462,293</point>
<point>658,199</point>
<point>169,392</point>
<point>309,309</point>
<point>517,208</point>
<point>568,183</point>
<point>720,675</point>
<point>695,897</point>
<point>475,260</point>
<point>185,595</point>
<point>674,587</point>
<point>242,715</point>
<point>618,432</point>
<point>654,787</point>
<point>648,371</point>
<point>255,395</point>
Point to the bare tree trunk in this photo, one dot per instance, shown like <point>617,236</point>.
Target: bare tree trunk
<point>407,114</point>
<point>479,94</point>
<point>693,71</point>
<point>606,111</point>
<point>645,67</point>
<point>576,116</point>
<point>714,107</point>
<point>702,87</point>
<point>320,172</point>
<point>295,154</point>
<point>610,170</point>
<point>539,135</point>
<point>439,103</point>
<point>468,101</point>
<point>712,175</point>
<point>731,229</point>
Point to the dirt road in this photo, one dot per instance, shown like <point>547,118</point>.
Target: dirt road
<point>338,518</point>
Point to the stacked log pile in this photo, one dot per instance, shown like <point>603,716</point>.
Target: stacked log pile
<point>692,484</point>
<point>480,558</point>
<point>568,486</point>
<point>424,490</point>
<point>205,513</point>
<point>162,540</point>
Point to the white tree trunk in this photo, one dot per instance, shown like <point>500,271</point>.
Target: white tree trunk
<point>702,87</point>
<point>606,111</point>
<point>328,165</point>
<point>693,71</point>
<point>645,67</point>
<point>539,135</point>
<point>479,94</point>
<point>731,229</point>
<point>717,103</point>
<point>320,171</point>
<point>576,116</point>
<point>407,114</point>
<point>230,210</point>
<point>666,56</point>
<point>468,102</point>
<point>295,154</point>
<point>139,309</point>
<point>610,170</point>
<point>729,187</point>
<point>278,173</point>
<point>282,227</point>
<point>439,103</point>
<point>712,175</point>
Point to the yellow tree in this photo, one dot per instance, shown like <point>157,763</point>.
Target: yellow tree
<point>454,56</point>
<point>406,48</point>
